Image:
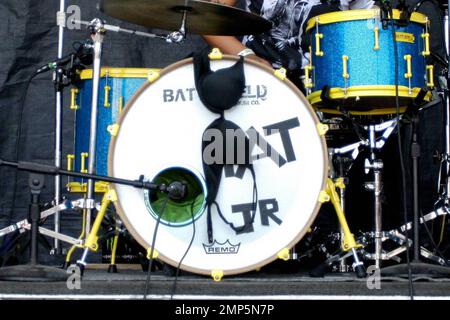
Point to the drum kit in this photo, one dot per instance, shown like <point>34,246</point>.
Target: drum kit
<point>143,128</point>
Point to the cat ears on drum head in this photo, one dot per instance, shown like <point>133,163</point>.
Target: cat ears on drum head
<point>218,90</point>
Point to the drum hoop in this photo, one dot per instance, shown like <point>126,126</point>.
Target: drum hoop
<point>363,14</point>
<point>119,72</point>
<point>161,256</point>
<point>368,91</point>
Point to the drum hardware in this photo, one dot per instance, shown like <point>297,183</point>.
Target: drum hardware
<point>349,244</point>
<point>446,188</point>
<point>342,182</point>
<point>397,236</point>
<point>200,17</point>
<point>416,266</point>
<point>33,271</point>
<point>97,30</point>
<point>62,77</point>
<point>61,21</point>
<point>374,144</point>
<point>174,37</point>
<point>338,171</point>
<point>175,190</point>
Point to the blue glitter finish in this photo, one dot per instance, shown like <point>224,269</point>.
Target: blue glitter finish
<point>366,66</point>
<point>120,87</point>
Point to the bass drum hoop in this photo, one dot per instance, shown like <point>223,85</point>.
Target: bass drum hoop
<point>123,216</point>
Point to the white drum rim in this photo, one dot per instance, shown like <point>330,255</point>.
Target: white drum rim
<point>123,216</point>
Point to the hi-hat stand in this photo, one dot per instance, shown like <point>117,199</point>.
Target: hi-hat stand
<point>416,266</point>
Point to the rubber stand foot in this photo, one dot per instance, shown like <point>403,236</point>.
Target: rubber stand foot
<point>112,268</point>
<point>319,271</point>
<point>360,271</point>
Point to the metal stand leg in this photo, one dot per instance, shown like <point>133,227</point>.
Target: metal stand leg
<point>349,242</point>
<point>112,266</point>
<point>342,264</point>
<point>376,187</point>
<point>92,238</point>
<point>341,185</point>
<point>33,271</point>
<point>378,214</point>
<point>98,32</point>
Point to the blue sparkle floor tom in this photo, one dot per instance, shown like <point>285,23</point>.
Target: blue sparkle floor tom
<point>354,57</point>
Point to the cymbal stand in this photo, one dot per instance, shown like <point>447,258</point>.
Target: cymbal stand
<point>174,37</point>
<point>61,22</point>
<point>97,30</point>
<point>179,36</point>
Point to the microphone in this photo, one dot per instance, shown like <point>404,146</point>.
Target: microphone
<point>386,11</point>
<point>405,13</point>
<point>177,190</point>
<point>83,54</point>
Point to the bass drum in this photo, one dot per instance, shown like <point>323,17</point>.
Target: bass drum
<point>160,137</point>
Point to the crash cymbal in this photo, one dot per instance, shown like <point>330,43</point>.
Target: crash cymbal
<point>202,17</point>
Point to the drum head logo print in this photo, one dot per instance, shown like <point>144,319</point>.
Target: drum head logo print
<point>282,145</point>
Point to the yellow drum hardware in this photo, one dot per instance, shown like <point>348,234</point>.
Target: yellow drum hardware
<point>138,134</point>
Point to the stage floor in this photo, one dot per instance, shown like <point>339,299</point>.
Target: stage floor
<point>129,283</point>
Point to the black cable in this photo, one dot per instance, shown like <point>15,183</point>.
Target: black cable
<point>400,151</point>
<point>174,287</point>
<point>155,231</point>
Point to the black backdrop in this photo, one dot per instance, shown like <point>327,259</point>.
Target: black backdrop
<point>28,39</point>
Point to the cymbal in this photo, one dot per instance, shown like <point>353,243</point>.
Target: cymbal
<point>203,17</point>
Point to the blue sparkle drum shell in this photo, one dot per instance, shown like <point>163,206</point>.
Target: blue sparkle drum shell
<point>117,86</point>
<point>353,56</point>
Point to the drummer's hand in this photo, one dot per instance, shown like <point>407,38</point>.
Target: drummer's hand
<point>254,57</point>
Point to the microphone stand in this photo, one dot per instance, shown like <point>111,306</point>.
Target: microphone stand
<point>58,80</point>
<point>386,13</point>
<point>405,13</point>
<point>39,273</point>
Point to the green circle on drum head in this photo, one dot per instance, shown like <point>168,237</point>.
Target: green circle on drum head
<point>177,213</point>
